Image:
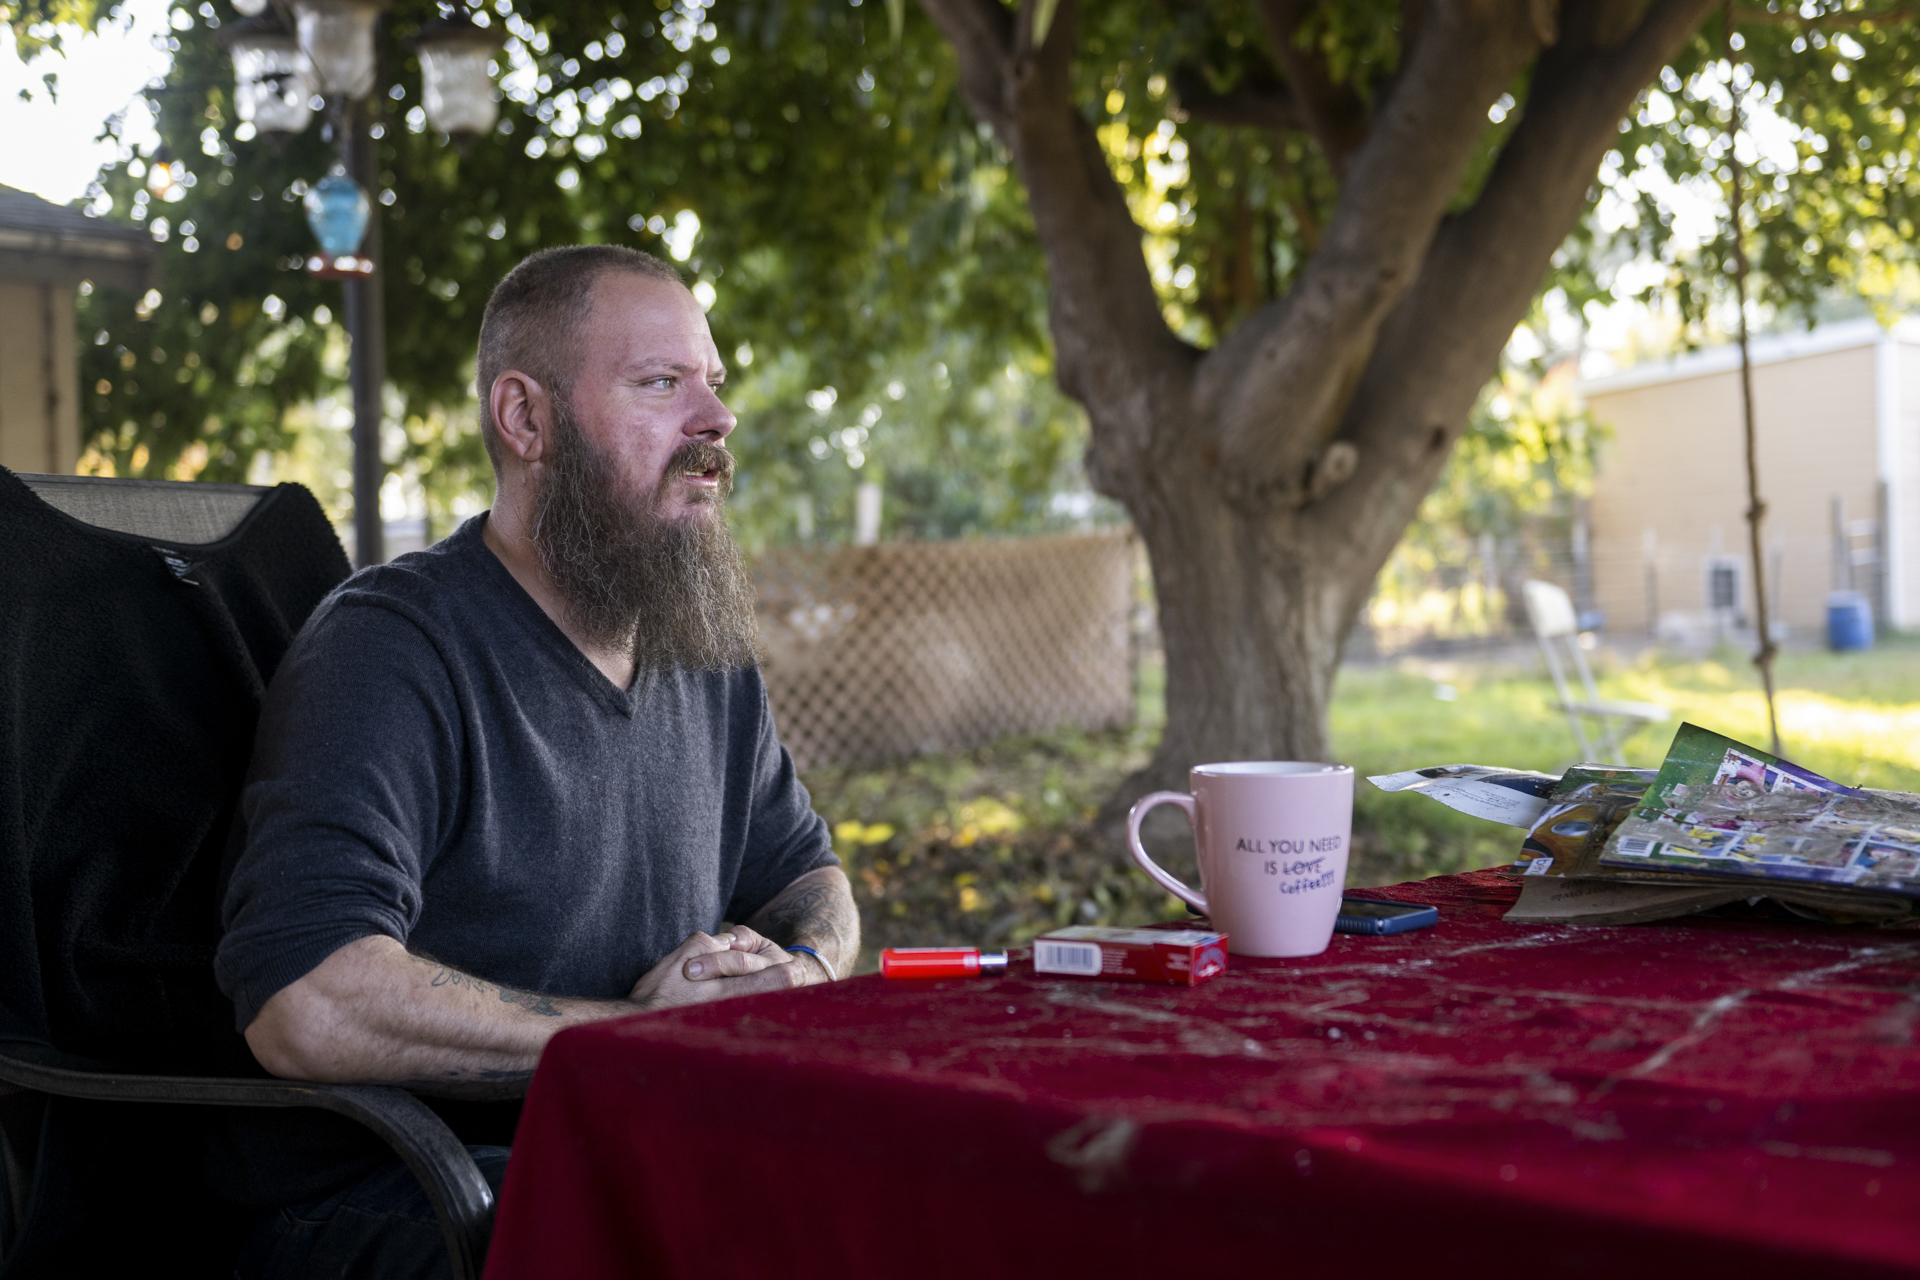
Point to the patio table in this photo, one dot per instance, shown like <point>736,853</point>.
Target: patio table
<point>1693,1097</point>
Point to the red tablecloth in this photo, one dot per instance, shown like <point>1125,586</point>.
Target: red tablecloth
<point>1695,1098</point>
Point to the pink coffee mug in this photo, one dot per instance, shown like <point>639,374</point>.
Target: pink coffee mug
<point>1271,838</point>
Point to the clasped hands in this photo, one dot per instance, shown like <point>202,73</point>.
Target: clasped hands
<point>738,962</point>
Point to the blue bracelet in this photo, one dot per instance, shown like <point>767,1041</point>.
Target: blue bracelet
<point>809,951</point>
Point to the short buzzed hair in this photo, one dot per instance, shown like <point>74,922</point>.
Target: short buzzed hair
<point>534,316</point>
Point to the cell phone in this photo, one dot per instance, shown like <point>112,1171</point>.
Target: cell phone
<point>1370,915</point>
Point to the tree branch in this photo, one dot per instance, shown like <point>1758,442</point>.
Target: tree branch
<point>1246,105</point>
<point>1277,386</point>
<point>1333,114</point>
<point>1443,341</point>
<point>1112,347</point>
<point>981,33</point>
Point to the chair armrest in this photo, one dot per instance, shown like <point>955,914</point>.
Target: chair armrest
<point>1651,712</point>
<point>461,1198</point>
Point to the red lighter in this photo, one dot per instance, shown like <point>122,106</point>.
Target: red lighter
<point>938,962</point>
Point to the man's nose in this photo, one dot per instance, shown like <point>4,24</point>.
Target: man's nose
<point>712,418</point>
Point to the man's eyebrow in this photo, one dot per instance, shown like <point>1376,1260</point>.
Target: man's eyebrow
<point>682,368</point>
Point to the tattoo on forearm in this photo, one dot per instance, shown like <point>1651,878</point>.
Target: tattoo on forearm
<point>819,913</point>
<point>783,916</point>
<point>531,1001</point>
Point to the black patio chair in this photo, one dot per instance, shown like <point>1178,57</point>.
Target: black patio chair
<point>139,624</point>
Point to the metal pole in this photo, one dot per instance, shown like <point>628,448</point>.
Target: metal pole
<point>366,332</point>
<point>1756,508</point>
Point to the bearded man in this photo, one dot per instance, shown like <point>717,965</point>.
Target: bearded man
<point>518,781</point>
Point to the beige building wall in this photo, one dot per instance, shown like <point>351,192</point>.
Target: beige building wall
<point>1670,492</point>
<point>39,409</point>
<point>1900,454</point>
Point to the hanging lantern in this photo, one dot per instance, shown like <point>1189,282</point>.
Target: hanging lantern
<point>271,82</point>
<point>456,84</point>
<point>250,8</point>
<point>337,37</point>
<point>337,210</point>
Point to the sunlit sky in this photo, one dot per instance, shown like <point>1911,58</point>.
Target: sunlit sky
<point>50,146</point>
<point>53,149</point>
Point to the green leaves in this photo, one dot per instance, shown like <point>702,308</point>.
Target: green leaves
<point>36,23</point>
<point>1507,492</point>
<point>1358,42</point>
<point>855,227</point>
<point>1829,144</point>
<point>858,229</point>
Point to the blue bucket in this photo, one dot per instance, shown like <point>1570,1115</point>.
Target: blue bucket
<point>1849,621</point>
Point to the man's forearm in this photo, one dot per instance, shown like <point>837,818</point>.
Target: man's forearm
<point>816,910</point>
<point>373,1012</point>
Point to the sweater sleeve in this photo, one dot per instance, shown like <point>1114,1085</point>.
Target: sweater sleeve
<point>785,837</point>
<point>354,784</point>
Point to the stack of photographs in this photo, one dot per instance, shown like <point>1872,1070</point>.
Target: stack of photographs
<point>1720,808</point>
<point>1719,822</point>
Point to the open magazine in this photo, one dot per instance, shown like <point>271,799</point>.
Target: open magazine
<point>1718,823</point>
<point>1718,807</point>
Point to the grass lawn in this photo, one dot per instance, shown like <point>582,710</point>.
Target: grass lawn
<point>992,846</point>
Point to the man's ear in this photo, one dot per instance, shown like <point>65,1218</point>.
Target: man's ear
<point>522,415</point>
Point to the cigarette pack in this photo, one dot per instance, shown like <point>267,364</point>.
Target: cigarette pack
<point>1182,957</point>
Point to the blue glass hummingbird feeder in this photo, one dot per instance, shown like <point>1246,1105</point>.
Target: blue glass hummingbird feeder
<point>337,210</point>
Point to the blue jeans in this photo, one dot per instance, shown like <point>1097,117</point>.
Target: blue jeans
<point>383,1226</point>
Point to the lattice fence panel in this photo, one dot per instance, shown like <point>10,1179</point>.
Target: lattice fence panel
<point>877,653</point>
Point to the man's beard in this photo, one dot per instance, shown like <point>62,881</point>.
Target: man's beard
<point>669,594</point>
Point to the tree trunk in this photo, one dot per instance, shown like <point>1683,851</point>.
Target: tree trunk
<point>1251,619</point>
<point>1271,476</point>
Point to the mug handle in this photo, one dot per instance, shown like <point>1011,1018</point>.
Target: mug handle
<point>1136,815</point>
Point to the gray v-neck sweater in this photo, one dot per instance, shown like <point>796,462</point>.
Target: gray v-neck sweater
<point>438,763</point>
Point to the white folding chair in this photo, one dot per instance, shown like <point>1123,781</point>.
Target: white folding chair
<point>1558,629</point>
